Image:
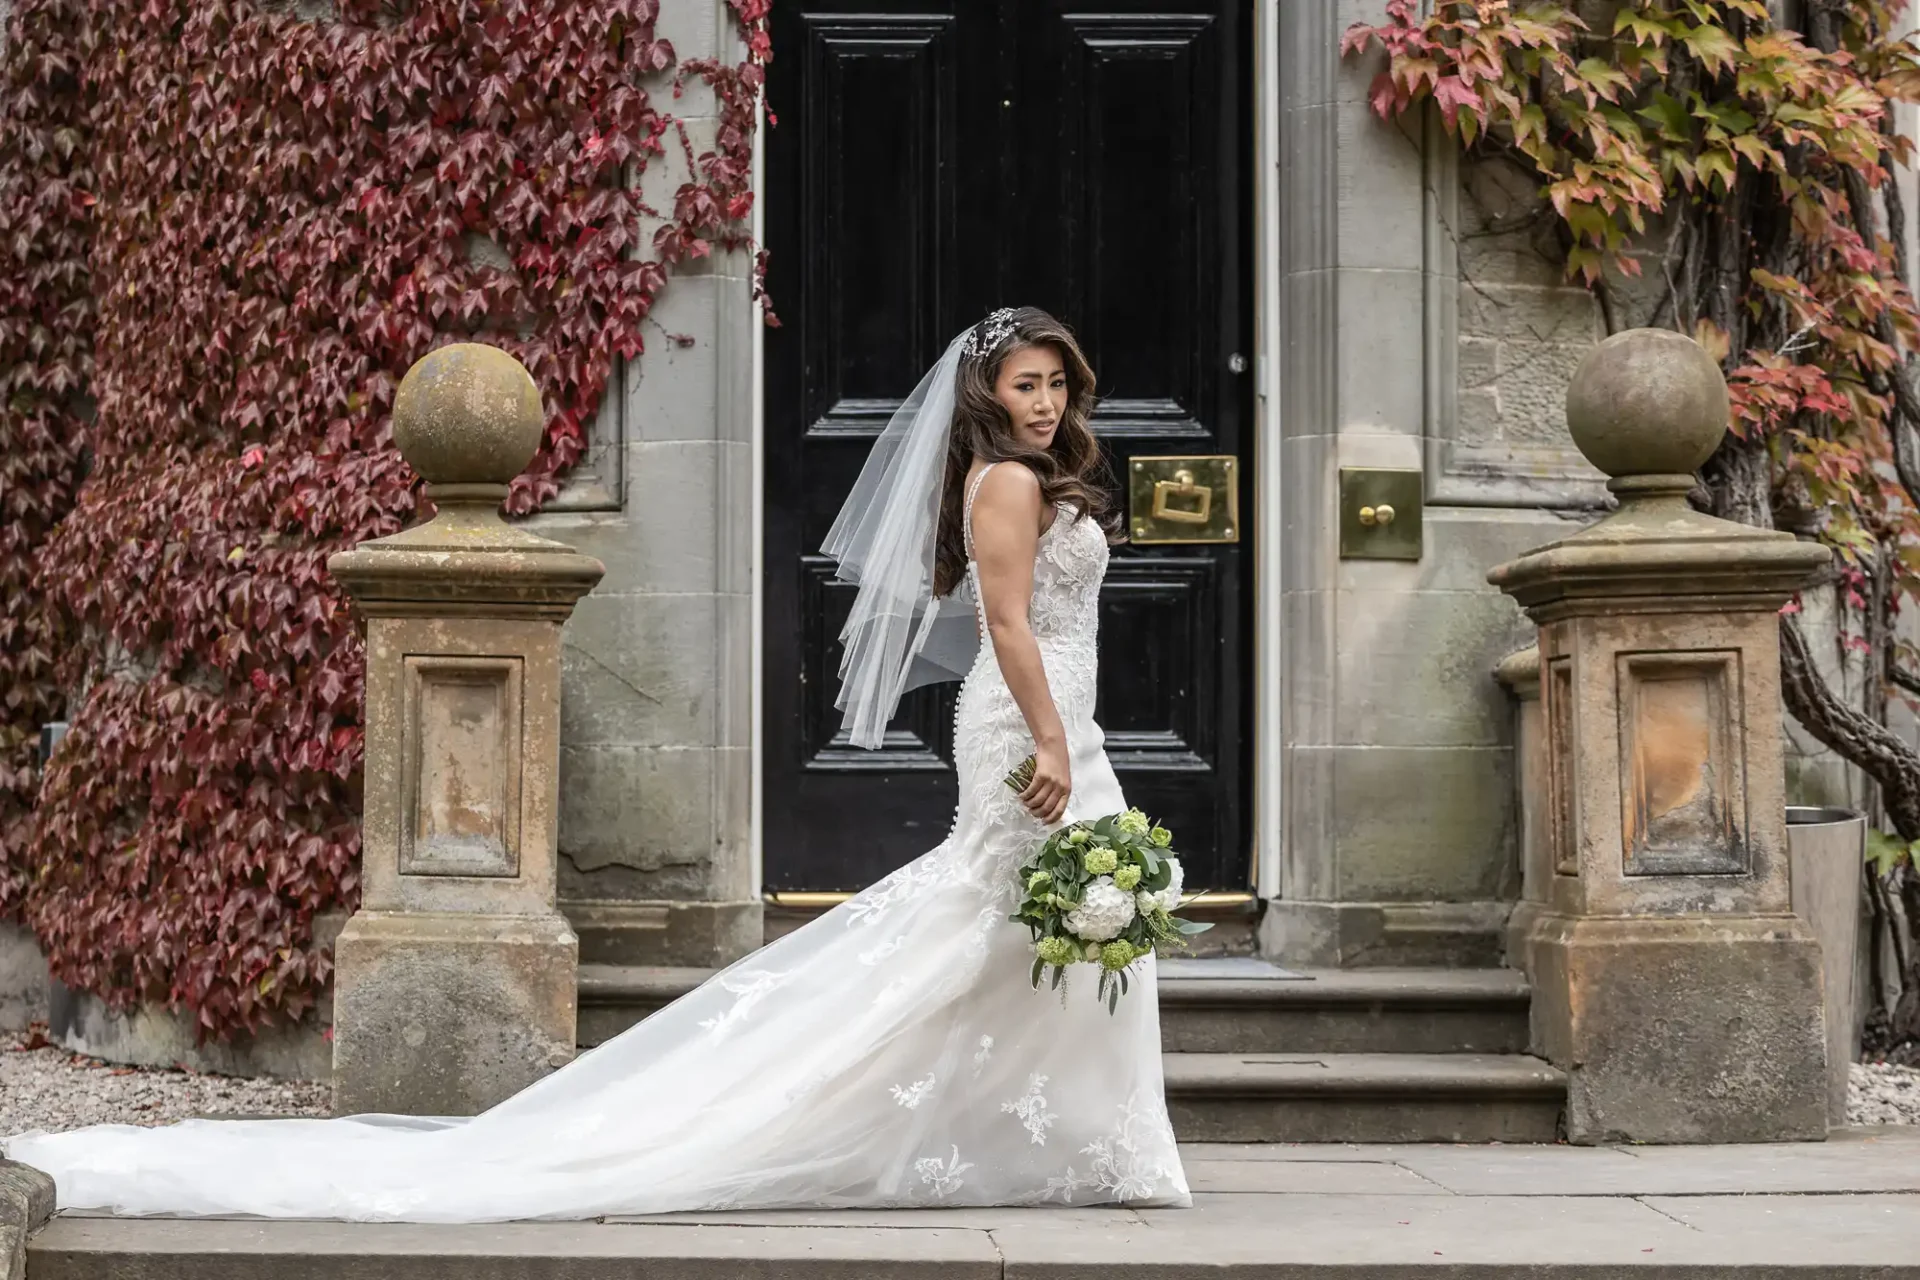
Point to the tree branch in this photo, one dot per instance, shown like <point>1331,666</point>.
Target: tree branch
<point>1896,207</point>
<point>1901,382</point>
<point>1676,241</point>
<point>1852,733</point>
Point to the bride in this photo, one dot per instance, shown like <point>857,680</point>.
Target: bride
<point>891,1053</point>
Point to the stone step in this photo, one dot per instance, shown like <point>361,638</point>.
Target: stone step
<point>1218,1007</point>
<point>1345,1011</point>
<point>1363,1097</point>
<point>613,997</point>
<point>1255,1054</point>
<point>1242,1236</point>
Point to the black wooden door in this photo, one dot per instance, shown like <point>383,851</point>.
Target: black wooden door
<point>932,161</point>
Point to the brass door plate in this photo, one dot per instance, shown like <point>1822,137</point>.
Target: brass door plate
<point>1185,499</point>
<point>1380,514</point>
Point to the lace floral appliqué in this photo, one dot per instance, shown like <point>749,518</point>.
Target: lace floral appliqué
<point>884,950</point>
<point>942,1175</point>
<point>1069,1184</point>
<point>751,987</point>
<point>1139,1156</point>
<point>911,1096</point>
<point>908,882</point>
<point>1066,580</point>
<point>1032,1109</point>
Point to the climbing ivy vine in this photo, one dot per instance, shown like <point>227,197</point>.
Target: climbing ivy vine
<point>226,230</point>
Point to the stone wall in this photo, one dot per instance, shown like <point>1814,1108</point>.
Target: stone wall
<point>1426,324</point>
<point>1399,788</point>
<point>23,978</point>
<point>655,757</point>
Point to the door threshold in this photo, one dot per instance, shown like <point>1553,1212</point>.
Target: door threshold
<point>824,901</point>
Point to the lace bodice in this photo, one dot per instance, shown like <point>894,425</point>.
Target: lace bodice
<point>990,732</point>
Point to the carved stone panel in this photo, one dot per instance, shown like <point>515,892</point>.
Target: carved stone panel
<point>1557,694</point>
<point>1503,334</point>
<point>460,787</point>
<point>1684,801</point>
<point>597,482</point>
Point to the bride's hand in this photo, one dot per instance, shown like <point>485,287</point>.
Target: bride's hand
<point>1046,796</point>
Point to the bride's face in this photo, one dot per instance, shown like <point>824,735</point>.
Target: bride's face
<point>1033,389</point>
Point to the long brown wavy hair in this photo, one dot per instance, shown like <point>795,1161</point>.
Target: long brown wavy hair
<point>1071,469</point>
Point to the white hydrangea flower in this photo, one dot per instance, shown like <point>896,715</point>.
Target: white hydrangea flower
<point>1105,909</point>
<point>1168,898</point>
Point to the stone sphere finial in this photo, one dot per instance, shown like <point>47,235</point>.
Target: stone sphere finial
<point>468,414</point>
<point>1647,402</point>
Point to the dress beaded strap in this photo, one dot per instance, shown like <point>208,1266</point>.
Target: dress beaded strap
<point>966,537</point>
<point>966,513</point>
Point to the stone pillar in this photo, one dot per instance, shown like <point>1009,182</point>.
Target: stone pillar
<point>1519,673</point>
<point>1672,981</point>
<point>454,983</point>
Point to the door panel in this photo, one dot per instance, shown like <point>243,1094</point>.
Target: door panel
<point>1133,159</point>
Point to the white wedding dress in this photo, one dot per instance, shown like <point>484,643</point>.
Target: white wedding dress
<point>891,1053</point>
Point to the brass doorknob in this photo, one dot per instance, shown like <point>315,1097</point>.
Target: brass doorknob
<point>1376,516</point>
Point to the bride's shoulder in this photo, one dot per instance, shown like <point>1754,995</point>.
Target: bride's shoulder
<point>1009,485</point>
<point>1010,495</point>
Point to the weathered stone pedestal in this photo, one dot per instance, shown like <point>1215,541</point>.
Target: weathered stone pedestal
<point>455,981</point>
<point>1671,980</point>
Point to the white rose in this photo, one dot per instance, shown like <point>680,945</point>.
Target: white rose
<point>1105,909</point>
<point>1165,899</point>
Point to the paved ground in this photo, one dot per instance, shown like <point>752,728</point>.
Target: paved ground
<point>1849,1207</point>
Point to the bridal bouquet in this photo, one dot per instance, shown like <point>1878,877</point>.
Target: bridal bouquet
<point>1100,892</point>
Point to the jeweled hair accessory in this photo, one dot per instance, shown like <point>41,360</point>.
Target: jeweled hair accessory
<point>986,336</point>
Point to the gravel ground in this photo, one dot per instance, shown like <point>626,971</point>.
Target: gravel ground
<point>43,1087</point>
<point>1881,1093</point>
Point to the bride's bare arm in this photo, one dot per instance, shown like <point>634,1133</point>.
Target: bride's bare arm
<point>1006,530</point>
